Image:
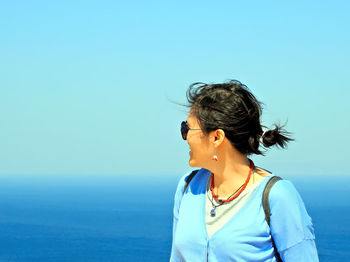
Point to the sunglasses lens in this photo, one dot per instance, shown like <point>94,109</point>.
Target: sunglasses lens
<point>184,130</point>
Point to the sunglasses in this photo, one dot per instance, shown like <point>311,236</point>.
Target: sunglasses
<point>185,129</point>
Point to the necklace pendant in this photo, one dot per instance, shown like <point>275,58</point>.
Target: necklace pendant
<point>212,212</point>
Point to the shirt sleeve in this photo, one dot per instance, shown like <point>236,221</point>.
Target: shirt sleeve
<point>291,226</point>
<point>177,201</point>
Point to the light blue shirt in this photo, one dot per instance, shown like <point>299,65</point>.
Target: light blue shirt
<point>246,236</point>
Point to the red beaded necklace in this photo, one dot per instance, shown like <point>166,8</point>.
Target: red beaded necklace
<point>236,194</point>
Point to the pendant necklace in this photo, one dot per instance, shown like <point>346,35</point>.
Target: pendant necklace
<point>233,196</point>
<point>212,200</point>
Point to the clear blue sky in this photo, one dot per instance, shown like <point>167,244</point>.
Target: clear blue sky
<point>86,86</point>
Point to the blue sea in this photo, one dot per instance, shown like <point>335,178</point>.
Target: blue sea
<point>129,218</point>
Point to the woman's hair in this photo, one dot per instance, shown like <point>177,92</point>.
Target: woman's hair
<point>230,106</point>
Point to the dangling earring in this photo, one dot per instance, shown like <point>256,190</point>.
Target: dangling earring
<point>215,157</point>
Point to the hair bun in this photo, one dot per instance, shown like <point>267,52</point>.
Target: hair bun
<point>277,136</point>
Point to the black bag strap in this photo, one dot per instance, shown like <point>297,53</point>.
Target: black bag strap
<point>266,207</point>
<point>189,178</point>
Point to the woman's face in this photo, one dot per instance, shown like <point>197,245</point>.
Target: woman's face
<point>198,143</point>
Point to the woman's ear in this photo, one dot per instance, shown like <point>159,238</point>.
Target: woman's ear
<point>217,137</point>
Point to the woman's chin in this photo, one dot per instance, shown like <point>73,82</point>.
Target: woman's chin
<point>192,163</point>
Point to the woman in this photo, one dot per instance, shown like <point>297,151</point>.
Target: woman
<point>218,214</point>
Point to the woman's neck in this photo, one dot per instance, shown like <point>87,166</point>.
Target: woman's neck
<point>230,172</point>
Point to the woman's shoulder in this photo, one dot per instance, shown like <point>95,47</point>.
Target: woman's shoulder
<point>191,177</point>
<point>290,221</point>
<point>284,196</point>
<point>284,190</point>
<point>196,173</point>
